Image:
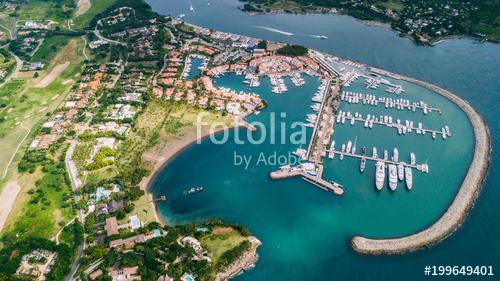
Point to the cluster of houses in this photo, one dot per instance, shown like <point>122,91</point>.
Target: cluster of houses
<point>36,264</point>
<point>237,104</point>
<point>79,100</point>
<point>275,64</point>
<point>116,16</point>
<point>129,273</point>
<point>227,39</point>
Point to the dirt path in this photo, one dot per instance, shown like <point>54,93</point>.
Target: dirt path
<point>53,74</point>
<point>82,6</point>
<point>7,199</point>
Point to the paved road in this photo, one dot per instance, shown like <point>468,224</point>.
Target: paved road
<point>98,34</point>
<point>75,184</point>
<point>19,65</point>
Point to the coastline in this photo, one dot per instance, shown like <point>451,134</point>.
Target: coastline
<point>456,213</point>
<point>374,23</point>
<point>246,262</point>
<point>175,148</point>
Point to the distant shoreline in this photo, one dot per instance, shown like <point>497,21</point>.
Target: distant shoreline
<point>320,10</point>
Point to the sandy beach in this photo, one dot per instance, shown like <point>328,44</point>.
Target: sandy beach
<point>161,156</point>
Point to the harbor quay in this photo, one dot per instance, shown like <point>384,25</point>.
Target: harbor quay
<point>312,171</point>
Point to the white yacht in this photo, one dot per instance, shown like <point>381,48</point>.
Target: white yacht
<point>408,178</point>
<point>379,175</point>
<point>393,176</point>
<point>395,155</point>
<point>413,160</point>
<point>348,148</point>
<point>401,172</point>
<point>362,165</point>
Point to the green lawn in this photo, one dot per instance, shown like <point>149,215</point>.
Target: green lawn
<point>49,203</point>
<point>8,93</point>
<point>97,7</point>
<point>43,10</point>
<point>218,243</point>
<point>394,5</point>
<point>49,48</point>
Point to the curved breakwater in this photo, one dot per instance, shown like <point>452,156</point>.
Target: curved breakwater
<point>462,203</point>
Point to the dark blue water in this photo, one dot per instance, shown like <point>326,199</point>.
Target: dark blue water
<point>295,249</point>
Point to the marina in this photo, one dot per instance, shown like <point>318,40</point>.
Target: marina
<point>193,66</point>
<point>292,206</point>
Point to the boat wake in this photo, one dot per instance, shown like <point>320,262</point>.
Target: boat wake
<point>318,36</point>
<point>275,30</point>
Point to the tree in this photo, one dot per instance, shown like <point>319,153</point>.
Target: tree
<point>262,44</point>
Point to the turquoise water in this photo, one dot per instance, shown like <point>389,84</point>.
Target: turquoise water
<point>305,231</point>
<point>194,72</point>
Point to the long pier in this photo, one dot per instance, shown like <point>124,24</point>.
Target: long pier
<point>387,102</point>
<point>317,145</point>
<point>396,126</point>
<point>318,122</point>
<point>386,161</point>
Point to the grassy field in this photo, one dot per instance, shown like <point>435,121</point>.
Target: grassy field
<point>7,95</point>
<point>49,48</point>
<point>221,240</point>
<point>44,207</point>
<point>42,10</point>
<point>29,110</point>
<point>394,5</point>
<point>97,7</point>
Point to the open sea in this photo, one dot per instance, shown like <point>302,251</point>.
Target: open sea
<point>305,231</point>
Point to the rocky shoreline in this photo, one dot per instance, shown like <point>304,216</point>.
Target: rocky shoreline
<point>464,200</point>
<point>245,262</point>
